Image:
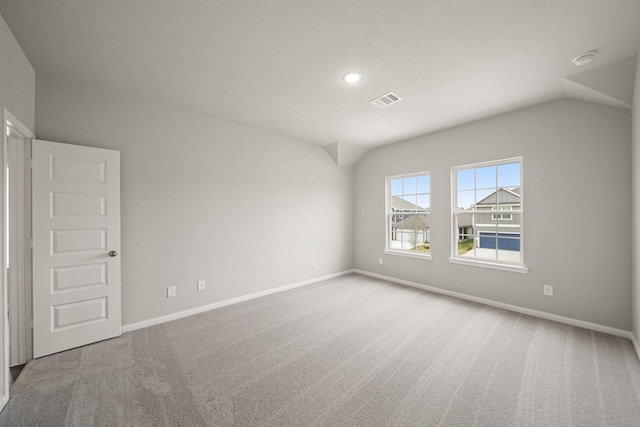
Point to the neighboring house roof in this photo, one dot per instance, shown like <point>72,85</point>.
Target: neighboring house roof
<point>413,222</point>
<point>465,221</point>
<point>502,196</point>
<point>401,205</point>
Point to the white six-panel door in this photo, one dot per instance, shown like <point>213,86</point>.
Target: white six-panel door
<point>76,246</point>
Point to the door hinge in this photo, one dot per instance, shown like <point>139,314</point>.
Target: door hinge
<point>30,243</point>
<point>28,163</point>
<point>31,323</point>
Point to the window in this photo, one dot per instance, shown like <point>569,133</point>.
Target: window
<point>408,208</point>
<point>483,233</point>
<point>503,216</point>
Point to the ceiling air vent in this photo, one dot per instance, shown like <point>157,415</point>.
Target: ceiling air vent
<point>386,100</point>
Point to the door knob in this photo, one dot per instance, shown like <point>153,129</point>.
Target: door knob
<point>113,253</point>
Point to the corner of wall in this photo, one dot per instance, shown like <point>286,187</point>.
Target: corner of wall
<point>635,144</point>
<point>18,82</point>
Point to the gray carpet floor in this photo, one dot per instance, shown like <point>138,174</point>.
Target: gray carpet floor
<point>351,351</point>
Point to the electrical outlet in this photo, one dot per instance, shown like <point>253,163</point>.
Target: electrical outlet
<point>171,291</point>
<point>201,285</point>
<point>314,264</point>
<point>379,260</point>
<point>548,290</point>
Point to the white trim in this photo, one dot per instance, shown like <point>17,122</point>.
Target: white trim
<point>491,163</point>
<point>409,175</point>
<point>197,310</point>
<point>19,278</point>
<point>501,210</point>
<point>19,128</point>
<point>410,254</point>
<point>21,303</point>
<point>636,346</point>
<point>501,217</point>
<point>4,295</point>
<point>535,313</point>
<point>389,212</point>
<point>454,232</point>
<point>475,262</point>
<point>17,124</point>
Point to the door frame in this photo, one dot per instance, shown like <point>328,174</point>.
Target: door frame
<point>9,123</point>
<point>19,283</point>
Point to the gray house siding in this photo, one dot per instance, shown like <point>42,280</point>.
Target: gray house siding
<point>501,228</point>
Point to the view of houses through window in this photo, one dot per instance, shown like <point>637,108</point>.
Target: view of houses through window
<point>487,211</point>
<point>408,206</point>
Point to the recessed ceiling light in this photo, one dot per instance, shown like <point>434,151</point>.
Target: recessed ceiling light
<point>352,77</point>
<point>585,58</point>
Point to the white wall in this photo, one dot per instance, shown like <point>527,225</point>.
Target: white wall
<point>205,199</point>
<point>577,237</point>
<point>17,78</point>
<point>636,206</point>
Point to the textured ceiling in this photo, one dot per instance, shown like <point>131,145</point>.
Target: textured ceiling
<point>277,65</point>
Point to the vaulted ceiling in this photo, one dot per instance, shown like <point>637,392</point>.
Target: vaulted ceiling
<point>278,64</point>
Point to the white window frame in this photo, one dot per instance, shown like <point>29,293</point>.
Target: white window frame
<point>389,213</point>
<point>518,267</point>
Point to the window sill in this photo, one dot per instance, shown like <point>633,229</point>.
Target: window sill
<point>408,254</point>
<point>493,265</point>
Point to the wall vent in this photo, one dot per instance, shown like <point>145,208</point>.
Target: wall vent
<point>386,100</point>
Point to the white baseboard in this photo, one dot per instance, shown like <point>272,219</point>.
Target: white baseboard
<point>636,346</point>
<point>536,313</point>
<point>181,314</point>
<point>510,307</point>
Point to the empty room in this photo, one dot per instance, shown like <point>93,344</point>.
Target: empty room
<point>320,213</point>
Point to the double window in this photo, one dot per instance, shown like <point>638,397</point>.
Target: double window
<point>408,214</point>
<point>487,210</point>
<point>482,230</point>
